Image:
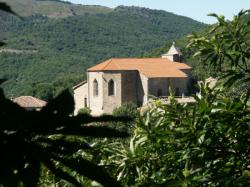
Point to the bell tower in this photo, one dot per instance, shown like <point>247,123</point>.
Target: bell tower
<point>174,54</point>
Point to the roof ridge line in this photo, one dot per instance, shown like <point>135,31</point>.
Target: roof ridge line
<point>36,100</point>
<point>109,61</point>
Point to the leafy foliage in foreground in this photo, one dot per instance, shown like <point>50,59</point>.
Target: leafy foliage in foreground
<point>205,143</point>
<point>226,48</point>
<point>199,144</point>
<point>31,139</point>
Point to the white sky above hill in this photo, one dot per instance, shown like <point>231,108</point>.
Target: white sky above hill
<point>196,9</point>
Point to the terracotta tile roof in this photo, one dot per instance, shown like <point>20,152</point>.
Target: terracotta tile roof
<point>150,67</point>
<point>29,102</point>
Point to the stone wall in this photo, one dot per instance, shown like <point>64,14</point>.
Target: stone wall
<point>129,87</point>
<point>156,84</point>
<point>110,102</point>
<point>179,84</point>
<point>142,83</point>
<point>79,94</point>
<point>95,102</point>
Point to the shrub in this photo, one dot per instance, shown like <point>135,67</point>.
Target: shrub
<point>127,109</point>
<point>84,111</point>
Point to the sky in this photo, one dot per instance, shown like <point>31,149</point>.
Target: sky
<point>195,9</point>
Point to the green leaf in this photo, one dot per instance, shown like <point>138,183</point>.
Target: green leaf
<point>60,173</point>
<point>89,170</point>
<point>67,145</point>
<point>213,15</point>
<point>94,132</point>
<point>32,168</point>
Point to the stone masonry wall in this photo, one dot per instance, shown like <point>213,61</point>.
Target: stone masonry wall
<point>79,94</point>
<point>113,101</point>
<point>143,92</point>
<point>129,87</point>
<point>95,102</point>
<point>179,84</point>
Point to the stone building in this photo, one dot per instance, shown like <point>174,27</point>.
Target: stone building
<point>120,80</point>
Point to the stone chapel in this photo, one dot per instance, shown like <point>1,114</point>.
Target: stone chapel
<point>120,80</point>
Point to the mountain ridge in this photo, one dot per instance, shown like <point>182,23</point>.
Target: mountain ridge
<point>53,8</point>
<point>50,8</point>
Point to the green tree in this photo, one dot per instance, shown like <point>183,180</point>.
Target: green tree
<point>226,48</point>
<point>205,143</point>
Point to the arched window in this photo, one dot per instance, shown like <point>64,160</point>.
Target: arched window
<point>95,88</point>
<point>159,93</point>
<point>111,87</point>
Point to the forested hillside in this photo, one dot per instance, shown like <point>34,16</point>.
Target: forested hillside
<point>53,8</point>
<point>54,53</point>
